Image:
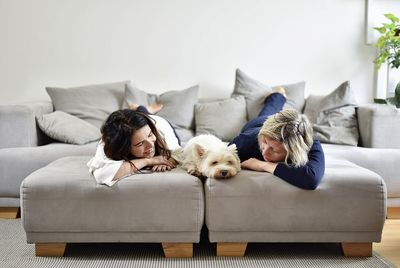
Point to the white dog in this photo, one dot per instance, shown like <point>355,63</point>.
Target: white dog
<point>207,156</point>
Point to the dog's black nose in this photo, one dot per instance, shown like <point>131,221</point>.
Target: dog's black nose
<point>224,173</point>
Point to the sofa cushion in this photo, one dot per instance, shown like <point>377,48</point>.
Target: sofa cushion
<point>178,106</point>
<point>255,93</point>
<point>157,207</point>
<point>334,116</point>
<point>348,205</point>
<point>68,128</point>
<point>92,103</point>
<point>382,161</point>
<point>224,118</point>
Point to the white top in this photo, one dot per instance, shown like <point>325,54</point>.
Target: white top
<point>104,169</point>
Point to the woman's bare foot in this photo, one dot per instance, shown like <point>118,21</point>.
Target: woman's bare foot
<point>154,107</point>
<point>133,106</point>
<point>280,90</point>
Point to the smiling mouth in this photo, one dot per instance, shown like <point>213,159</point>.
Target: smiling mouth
<point>149,152</point>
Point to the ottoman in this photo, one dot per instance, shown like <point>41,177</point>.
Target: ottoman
<point>349,207</point>
<point>62,203</point>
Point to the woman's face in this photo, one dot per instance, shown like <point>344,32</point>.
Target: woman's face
<point>142,143</point>
<point>272,150</point>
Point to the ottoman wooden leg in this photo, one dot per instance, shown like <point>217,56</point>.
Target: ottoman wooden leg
<point>178,250</point>
<point>393,213</point>
<point>50,249</point>
<point>231,249</point>
<point>357,249</point>
<point>9,212</point>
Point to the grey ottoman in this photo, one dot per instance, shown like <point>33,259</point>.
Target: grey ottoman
<point>62,203</point>
<point>348,207</point>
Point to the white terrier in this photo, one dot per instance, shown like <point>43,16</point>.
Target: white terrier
<point>207,156</point>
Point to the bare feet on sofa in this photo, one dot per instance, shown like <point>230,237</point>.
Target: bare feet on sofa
<point>155,107</point>
<point>152,108</point>
<point>280,90</point>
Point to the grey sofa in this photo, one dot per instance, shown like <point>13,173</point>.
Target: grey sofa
<point>362,176</point>
<point>24,148</point>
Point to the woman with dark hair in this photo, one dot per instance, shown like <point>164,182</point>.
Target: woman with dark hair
<point>131,141</point>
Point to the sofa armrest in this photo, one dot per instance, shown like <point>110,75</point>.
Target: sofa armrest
<point>18,126</point>
<point>377,123</point>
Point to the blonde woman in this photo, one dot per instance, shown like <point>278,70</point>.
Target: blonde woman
<point>281,143</point>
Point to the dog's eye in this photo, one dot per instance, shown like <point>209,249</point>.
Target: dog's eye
<point>230,162</point>
<point>214,163</point>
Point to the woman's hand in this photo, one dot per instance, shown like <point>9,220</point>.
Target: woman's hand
<point>161,168</point>
<point>161,160</point>
<point>258,165</point>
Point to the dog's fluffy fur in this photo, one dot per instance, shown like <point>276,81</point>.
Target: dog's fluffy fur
<point>207,156</point>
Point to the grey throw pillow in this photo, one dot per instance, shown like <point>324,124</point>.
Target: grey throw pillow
<point>92,103</point>
<point>178,106</point>
<point>224,118</point>
<point>68,128</point>
<point>334,116</point>
<point>255,93</point>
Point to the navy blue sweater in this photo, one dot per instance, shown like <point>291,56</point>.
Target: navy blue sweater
<point>307,177</point>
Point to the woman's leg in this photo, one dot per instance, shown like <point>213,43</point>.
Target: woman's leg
<point>273,104</point>
<point>246,142</point>
<point>142,109</point>
<point>149,109</point>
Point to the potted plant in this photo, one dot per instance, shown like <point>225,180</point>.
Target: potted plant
<point>388,46</point>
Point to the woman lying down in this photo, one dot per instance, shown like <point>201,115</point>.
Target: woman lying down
<point>133,141</point>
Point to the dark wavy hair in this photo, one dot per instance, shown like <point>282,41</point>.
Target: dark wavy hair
<point>117,132</point>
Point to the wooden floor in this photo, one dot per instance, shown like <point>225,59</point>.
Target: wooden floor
<point>390,244</point>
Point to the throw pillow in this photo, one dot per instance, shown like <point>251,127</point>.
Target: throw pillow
<point>224,118</point>
<point>178,106</point>
<point>255,93</point>
<point>334,116</point>
<point>68,128</point>
<point>92,103</point>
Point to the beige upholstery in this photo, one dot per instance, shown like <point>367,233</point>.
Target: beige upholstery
<point>158,207</point>
<point>348,206</point>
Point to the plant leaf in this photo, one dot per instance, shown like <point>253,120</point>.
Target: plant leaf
<point>392,17</point>
<point>382,30</point>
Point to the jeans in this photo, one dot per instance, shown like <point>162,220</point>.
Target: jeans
<point>247,142</point>
<point>272,105</point>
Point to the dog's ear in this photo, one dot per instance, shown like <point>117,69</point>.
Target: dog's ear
<point>200,150</point>
<point>232,148</point>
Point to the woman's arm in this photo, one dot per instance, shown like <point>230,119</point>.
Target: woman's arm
<point>127,168</point>
<point>159,163</point>
<point>259,165</point>
<point>308,176</point>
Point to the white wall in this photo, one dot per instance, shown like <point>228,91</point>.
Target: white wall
<point>165,45</point>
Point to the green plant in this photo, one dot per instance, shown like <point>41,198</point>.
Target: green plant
<point>396,99</point>
<point>388,46</point>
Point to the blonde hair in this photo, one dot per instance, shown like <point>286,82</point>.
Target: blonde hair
<point>295,133</point>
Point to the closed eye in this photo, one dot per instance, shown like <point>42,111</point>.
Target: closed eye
<point>214,163</point>
<point>139,144</point>
<point>230,162</point>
